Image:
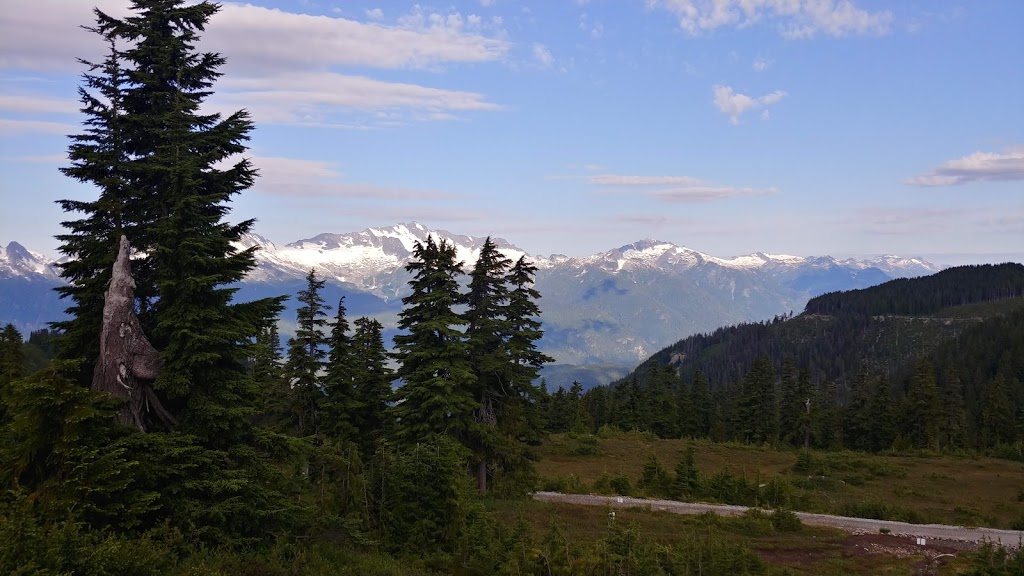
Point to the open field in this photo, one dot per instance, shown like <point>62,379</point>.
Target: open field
<point>965,491</point>
<point>811,550</point>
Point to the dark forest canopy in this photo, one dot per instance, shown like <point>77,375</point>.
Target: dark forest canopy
<point>848,378</point>
<point>914,296</point>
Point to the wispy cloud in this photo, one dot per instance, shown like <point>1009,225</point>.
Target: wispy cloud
<point>976,167</point>
<point>708,193</point>
<point>295,177</point>
<point>795,19</point>
<point>679,188</point>
<point>620,180</point>
<point>37,104</point>
<point>315,98</point>
<point>11,126</point>
<point>734,104</point>
<point>542,55</point>
<point>287,67</point>
<point>903,221</point>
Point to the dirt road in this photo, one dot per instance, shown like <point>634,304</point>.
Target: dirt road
<point>1010,538</point>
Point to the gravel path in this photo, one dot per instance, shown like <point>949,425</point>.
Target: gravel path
<point>1010,538</point>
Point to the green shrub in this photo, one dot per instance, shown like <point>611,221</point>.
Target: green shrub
<point>613,484</point>
<point>654,479</point>
<point>786,521</point>
<point>586,445</point>
<point>570,484</point>
<point>878,510</point>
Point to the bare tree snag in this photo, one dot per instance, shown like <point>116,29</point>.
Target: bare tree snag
<point>127,362</point>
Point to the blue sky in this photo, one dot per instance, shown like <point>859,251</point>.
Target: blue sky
<point>730,126</point>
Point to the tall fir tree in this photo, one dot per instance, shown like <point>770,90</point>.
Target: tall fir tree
<point>885,411</point>
<point>759,412</point>
<point>924,409</point>
<point>859,415</point>
<point>307,351</point>
<point>372,382</point>
<point>791,405</point>
<point>339,405</point>
<point>166,174</point>
<point>523,315</point>
<point>702,404</point>
<point>487,332</point>
<point>99,157</point>
<point>997,414</point>
<point>953,427</point>
<point>436,397</point>
<point>12,362</point>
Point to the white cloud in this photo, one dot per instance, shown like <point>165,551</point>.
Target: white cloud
<point>903,221</point>
<point>976,167</point>
<point>542,55</point>
<point>375,14</point>
<point>794,18</point>
<point>276,58</point>
<point>620,180</point>
<point>11,126</point>
<point>708,193</point>
<point>761,64</point>
<point>313,98</point>
<point>681,188</point>
<point>294,177</point>
<point>486,3</point>
<point>734,105</point>
<point>37,104</point>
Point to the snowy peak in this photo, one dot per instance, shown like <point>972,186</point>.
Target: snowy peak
<point>896,266</point>
<point>665,255</point>
<point>17,261</point>
<point>368,259</point>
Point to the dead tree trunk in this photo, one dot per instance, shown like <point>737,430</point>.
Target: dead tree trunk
<point>127,361</point>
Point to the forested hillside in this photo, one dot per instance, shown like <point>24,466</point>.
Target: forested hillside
<point>850,371</point>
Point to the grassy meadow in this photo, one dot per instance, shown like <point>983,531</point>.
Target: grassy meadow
<point>925,488</point>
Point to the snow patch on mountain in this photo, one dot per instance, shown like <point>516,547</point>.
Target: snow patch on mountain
<point>16,261</point>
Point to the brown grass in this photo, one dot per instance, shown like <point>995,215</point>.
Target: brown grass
<point>940,489</point>
<point>818,551</point>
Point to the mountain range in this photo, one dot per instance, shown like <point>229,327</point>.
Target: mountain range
<point>602,313</point>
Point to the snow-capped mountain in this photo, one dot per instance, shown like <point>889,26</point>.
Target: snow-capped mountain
<point>372,260</point>
<point>18,262</point>
<point>617,306</point>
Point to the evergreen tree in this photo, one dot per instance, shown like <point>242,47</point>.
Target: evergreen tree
<point>924,410</point>
<point>12,356</point>
<point>687,478</point>
<point>158,164</point>
<point>436,397</point>
<point>664,383</point>
<point>805,394</point>
<point>268,373</point>
<point>758,408</point>
<point>523,315</point>
<point>686,409</point>
<point>827,422</point>
<point>997,415</point>
<point>62,449</point>
<point>791,405</point>
<point>702,404</point>
<point>306,354</point>
<point>372,381</point>
<point>487,331</point>
<point>859,415</point>
<point>99,157</point>
<point>339,405</point>
<point>953,428</point>
<point>885,410</point>
<point>12,362</point>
